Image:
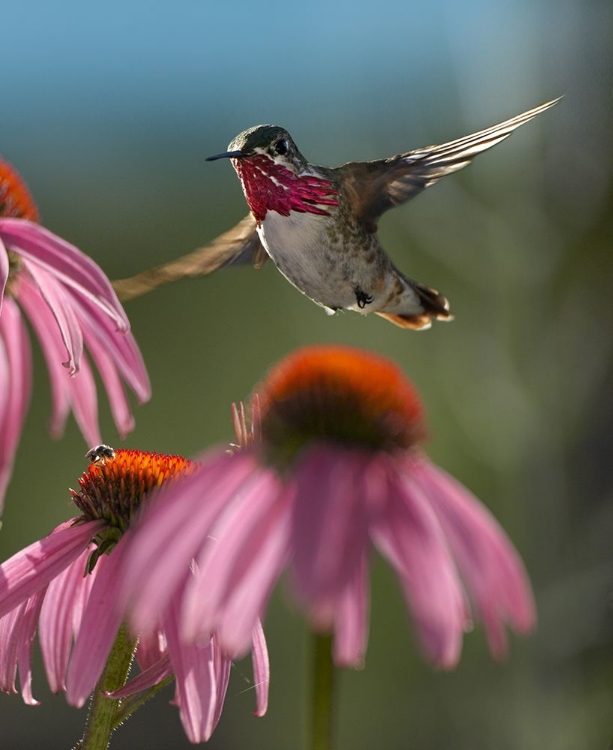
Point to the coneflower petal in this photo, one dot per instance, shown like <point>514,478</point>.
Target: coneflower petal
<point>179,528</point>
<point>99,627</point>
<point>56,628</point>
<point>194,667</point>
<point>329,527</point>
<point>34,567</point>
<point>409,536</point>
<point>26,641</point>
<point>4,271</point>
<point>15,383</point>
<point>57,302</point>
<point>153,675</point>
<point>351,619</point>
<point>494,573</point>
<point>261,669</point>
<point>64,262</point>
<point>247,551</point>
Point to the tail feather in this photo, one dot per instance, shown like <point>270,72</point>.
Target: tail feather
<point>414,322</point>
<point>435,307</point>
<point>434,304</point>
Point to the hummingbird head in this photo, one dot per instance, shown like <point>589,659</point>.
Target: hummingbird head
<point>270,141</point>
<point>275,176</point>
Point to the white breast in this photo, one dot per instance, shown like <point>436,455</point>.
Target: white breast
<point>300,247</point>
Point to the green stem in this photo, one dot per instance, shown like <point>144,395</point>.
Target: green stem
<point>323,693</point>
<point>102,710</point>
<point>129,705</point>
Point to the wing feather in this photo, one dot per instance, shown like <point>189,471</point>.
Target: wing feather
<point>239,246</point>
<point>376,186</point>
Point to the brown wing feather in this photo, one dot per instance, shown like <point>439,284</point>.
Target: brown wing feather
<point>239,246</point>
<point>376,186</point>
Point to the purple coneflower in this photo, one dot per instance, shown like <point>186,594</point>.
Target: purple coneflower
<point>67,586</point>
<point>336,473</point>
<point>71,305</point>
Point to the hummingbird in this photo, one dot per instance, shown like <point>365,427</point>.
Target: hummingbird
<point>319,224</point>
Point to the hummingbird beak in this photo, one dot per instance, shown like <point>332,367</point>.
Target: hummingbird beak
<point>228,155</point>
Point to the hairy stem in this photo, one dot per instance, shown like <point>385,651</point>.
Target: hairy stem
<point>102,710</point>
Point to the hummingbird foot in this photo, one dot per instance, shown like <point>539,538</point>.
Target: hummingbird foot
<point>362,297</point>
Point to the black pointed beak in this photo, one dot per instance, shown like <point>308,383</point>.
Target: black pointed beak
<point>227,155</point>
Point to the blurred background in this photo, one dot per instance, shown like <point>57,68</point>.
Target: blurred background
<point>109,111</point>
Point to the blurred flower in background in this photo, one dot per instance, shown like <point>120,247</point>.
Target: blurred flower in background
<point>71,305</point>
<point>67,586</point>
<point>337,471</point>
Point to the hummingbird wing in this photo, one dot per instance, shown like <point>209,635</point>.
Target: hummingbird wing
<point>239,246</point>
<point>376,186</point>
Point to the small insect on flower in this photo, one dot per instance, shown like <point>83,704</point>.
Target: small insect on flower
<point>66,587</point>
<point>99,452</point>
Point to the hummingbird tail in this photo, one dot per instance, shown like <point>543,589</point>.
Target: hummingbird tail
<point>435,307</point>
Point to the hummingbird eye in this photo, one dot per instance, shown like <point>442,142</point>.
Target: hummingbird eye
<point>281,147</point>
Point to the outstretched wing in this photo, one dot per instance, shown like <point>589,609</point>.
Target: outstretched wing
<point>239,246</point>
<point>375,186</point>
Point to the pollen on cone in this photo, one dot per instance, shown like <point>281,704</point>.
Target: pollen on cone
<point>113,488</point>
<point>15,198</point>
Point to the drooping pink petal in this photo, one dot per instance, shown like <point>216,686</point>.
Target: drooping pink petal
<point>351,620</point>
<point>120,408</point>
<point>99,627</point>
<point>329,527</point>
<point>261,669</point>
<point>408,534</point>
<point>82,593</point>
<point>57,301</point>
<point>65,262</point>
<point>120,346</point>
<point>151,648</point>
<point>10,631</point>
<point>493,571</point>
<point>34,567</point>
<point>239,565</point>
<point>84,402</point>
<point>222,665</point>
<point>43,323</point>
<point>177,521</point>
<point>56,621</point>
<point>15,382</point>
<point>78,392</point>
<point>153,675</point>
<point>5,380</point>
<point>26,641</point>
<point>194,668</point>
<point>4,271</point>
<point>6,465</point>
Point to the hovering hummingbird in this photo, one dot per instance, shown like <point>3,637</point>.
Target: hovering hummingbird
<point>319,224</point>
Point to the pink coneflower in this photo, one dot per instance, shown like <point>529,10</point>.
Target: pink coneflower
<point>71,305</point>
<point>336,474</point>
<point>67,586</point>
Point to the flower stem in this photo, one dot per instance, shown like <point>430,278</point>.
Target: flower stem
<point>131,704</point>
<point>103,711</point>
<point>323,693</point>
